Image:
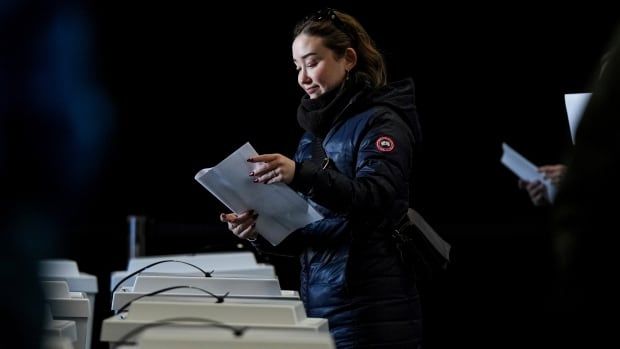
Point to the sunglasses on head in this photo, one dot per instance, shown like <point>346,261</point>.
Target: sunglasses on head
<point>327,14</point>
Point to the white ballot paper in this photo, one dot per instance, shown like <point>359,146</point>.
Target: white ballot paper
<point>525,170</point>
<point>575,106</point>
<point>280,209</point>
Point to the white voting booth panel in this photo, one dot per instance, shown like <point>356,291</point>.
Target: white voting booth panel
<point>67,270</point>
<point>58,328</point>
<point>235,287</point>
<point>228,260</point>
<point>61,328</point>
<point>261,271</point>
<point>218,286</point>
<point>289,316</point>
<point>230,264</point>
<point>199,338</point>
<point>66,305</point>
<point>123,297</point>
<point>56,343</point>
<point>229,313</point>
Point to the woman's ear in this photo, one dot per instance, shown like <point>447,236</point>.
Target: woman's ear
<point>350,57</point>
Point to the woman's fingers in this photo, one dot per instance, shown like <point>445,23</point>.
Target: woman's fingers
<point>264,158</point>
<point>242,225</point>
<point>237,218</point>
<point>273,168</point>
<point>248,232</point>
<point>267,174</point>
<point>226,217</point>
<point>245,230</point>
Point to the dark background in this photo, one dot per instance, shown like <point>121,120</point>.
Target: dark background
<point>189,82</point>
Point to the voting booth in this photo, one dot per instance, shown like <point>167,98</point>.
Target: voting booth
<point>289,317</point>
<point>123,299</point>
<point>221,264</point>
<point>67,270</point>
<point>56,343</point>
<point>70,306</point>
<point>236,290</point>
<point>57,333</point>
<point>230,289</point>
<point>220,338</point>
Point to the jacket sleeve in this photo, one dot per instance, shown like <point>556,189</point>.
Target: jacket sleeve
<point>314,234</point>
<point>382,166</point>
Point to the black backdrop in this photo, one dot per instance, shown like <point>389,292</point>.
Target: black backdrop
<point>191,82</point>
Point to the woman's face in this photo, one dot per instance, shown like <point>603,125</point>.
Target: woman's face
<point>318,68</point>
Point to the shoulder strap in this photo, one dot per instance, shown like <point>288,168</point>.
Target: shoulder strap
<point>431,235</point>
<point>318,153</point>
<point>319,156</point>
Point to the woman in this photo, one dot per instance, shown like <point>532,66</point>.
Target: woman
<point>353,164</point>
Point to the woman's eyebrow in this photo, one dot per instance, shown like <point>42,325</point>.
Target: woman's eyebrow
<point>305,56</point>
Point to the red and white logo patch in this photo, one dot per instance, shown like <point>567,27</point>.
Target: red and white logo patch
<point>384,144</point>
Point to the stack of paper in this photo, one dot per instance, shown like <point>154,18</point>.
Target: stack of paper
<point>280,209</point>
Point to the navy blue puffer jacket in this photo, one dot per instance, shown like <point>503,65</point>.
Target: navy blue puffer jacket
<point>351,271</point>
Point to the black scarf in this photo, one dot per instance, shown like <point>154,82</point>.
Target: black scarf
<point>318,115</point>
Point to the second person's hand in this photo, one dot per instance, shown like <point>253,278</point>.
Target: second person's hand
<point>554,173</point>
<point>537,192</point>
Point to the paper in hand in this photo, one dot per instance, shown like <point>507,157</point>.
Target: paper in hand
<point>525,170</point>
<point>280,209</point>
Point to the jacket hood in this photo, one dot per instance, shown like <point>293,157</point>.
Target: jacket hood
<point>400,97</point>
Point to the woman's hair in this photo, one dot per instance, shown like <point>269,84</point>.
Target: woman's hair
<point>340,31</point>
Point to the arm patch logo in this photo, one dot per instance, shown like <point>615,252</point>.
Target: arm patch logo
<point>384,144</point>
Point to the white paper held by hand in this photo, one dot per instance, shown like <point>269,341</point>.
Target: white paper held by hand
<point>280,209</point>
<point>524,169</point>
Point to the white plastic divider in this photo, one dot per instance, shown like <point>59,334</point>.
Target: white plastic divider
<point>67,270</point>
<point>222,264</point>
<point>72,306</point>
<point>212,338</point>
<point>218,286</point>
<point>289,316</point>
<point>126,295</point>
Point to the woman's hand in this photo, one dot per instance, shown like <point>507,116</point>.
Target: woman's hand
<point>273,168</point>
<point>242,225</point>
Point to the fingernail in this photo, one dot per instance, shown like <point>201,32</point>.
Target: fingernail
<point>250,160</point>
<point>255,215</point>
<point>255,180</point>
<point>222,216</point>
<point>251,173</point>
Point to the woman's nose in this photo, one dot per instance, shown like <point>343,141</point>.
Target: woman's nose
<point>304,79</point>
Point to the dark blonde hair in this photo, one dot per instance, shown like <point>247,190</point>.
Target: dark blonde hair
<point>340,31</point>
